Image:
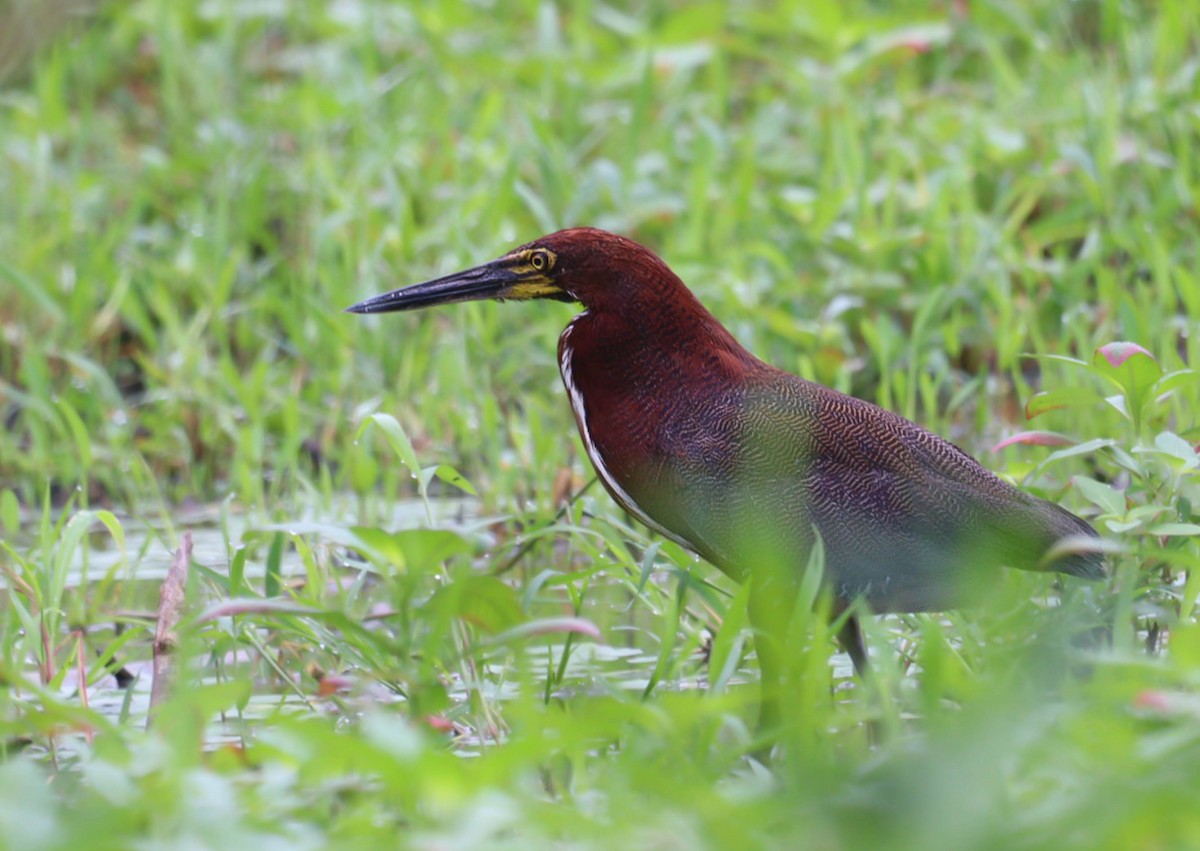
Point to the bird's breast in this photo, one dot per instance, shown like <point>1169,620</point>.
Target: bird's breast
<point>662,440</point>
<point>616,441</point>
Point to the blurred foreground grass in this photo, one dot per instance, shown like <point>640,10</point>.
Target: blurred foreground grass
<point>902,201</point>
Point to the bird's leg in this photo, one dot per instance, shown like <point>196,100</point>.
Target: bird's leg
<point>850,636</point>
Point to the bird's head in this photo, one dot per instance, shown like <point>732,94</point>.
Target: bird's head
<point>594,267</point>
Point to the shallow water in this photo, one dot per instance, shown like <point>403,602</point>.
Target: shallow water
<point>594,667</point>
<point>218,528</point>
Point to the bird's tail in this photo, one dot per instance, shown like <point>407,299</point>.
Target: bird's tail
<point>1075,547</point>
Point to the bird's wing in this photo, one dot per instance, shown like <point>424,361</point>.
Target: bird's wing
<point>896,503</point>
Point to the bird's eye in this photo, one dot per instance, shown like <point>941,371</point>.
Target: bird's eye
<point>538,261</point>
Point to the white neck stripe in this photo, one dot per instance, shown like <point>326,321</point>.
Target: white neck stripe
<point>593,453</point>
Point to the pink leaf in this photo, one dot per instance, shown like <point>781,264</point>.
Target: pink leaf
<point>1034,438</point>
<point>1150,699</point>
<point>439,723</point>
<point>254,606</point>
<point>332,684</point>
<point>1117,353</point>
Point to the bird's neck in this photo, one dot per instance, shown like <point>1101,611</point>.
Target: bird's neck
<point>656,342</point>
<point>657,349</point>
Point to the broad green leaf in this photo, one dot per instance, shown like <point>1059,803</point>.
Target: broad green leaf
<point>1143,512</point>
<point>1119,404</point>
<point>397,438</point>
<point>1128,461</point>
<point>1175,446</point>
<point>1085,448</point>
<point>483,601</point>
<point>451,476</point>
<point>1111,500</point>
<point>1133,369</point>
<point>1135,518</point>
<point>1175,529</point>
<point>416,549</point>
<point>1173,449</point>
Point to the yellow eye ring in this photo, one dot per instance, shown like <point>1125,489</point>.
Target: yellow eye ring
<point>538,261</point>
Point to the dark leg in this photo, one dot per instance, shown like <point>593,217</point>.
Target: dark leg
<point>851,638</point>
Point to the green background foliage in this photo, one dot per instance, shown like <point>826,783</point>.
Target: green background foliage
<point>957,210</point>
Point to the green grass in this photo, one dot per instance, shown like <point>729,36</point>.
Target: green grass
<point>904,201</point>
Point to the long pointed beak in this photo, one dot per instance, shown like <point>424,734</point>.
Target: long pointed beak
<point>491,280</point>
